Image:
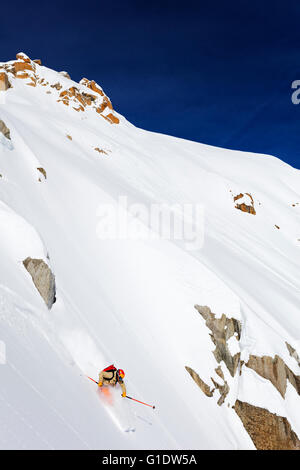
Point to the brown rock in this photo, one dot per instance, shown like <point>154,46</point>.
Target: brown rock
<point>276,371</point>
<point>268,431</point>
<point>64,100</point>
<point>245,207</point>
<point>105,103</point>
<point>80,108</point>
<point>57,86</point>
<point>100,150</point>
<point>112,119</point>
<point>43,171</point>
<point>23,75</point>
<point>222,330</point>
<point>23,57</point>
<point>4,81</point>
<point>209,392</point>
<point>203,386</point>
<point>65,74</point>
<point>293,353</point>
<point>92,85</point>
<point>4,130</point>
<point>223,389</point>
<point>89,97</point>
<point>83,99</point>
<point>63,93</point>
<point>21,66</point>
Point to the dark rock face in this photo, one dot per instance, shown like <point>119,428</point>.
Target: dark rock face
<point>4,129</point>
<point>43,279</point>
<point>268,431</point>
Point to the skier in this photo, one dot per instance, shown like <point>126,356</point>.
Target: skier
<point>111,376</point>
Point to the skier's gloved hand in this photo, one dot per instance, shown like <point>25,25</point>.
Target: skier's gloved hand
<point>123,394</point>
<point>100,384</point>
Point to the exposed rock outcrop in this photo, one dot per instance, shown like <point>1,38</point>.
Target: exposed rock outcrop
<point>4,130</point>
<point>268,431</point>
<point>222,329</point>
<point>293,353</point>
<point>43,171</point>
<point>209,392</point>
<point>87,94</point>
<point>92,85</point>
<point>204,387</point>
<point>81,99</point>
<point>245,204</point>
<point>24,68</point>
<point>23,57</point>
<point>65,74</point>
<point>275,370</point>
<point>111,118</point>
<point>223,389</point>
<point>100,150</point>
<point>43,279</point>
<point>4,81</point>
<point>56,85</point>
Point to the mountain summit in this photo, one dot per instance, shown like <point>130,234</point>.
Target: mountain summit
<point>83,96</point>
<point>177,261</point>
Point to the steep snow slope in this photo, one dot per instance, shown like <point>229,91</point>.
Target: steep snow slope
<point>131,301</point>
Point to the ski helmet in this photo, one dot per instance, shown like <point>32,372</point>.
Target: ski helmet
<point>121,373</point>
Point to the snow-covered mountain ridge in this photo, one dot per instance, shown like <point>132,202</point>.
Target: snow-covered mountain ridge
<point>223,375</point>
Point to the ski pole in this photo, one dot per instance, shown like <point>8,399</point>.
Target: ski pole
<point>130,398</point>
<point>92,379</point>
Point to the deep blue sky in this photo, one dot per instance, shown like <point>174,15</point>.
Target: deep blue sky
<point>217,72</point>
